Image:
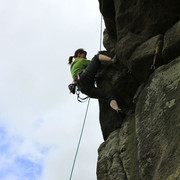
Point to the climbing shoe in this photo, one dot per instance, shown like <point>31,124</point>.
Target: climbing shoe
<point>121,113</point>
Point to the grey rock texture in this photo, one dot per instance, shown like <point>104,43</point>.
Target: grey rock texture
<point>172,43</point>
<point>117,155</point>
<point>142,58</point>
<point>131,22</point>
<point>123,80</point>
<point>158,124</point>
<point>145,145</point>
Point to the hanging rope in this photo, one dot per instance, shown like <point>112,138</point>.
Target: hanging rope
<point>101,26</point>
<point>100,46</point>
<point>77,150</point>
<point>79,142</point>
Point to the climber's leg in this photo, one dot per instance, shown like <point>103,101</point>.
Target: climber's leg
<point>104,58</point>
<point>92,67</point>
<point>86,83</point>
<point>100,94</point>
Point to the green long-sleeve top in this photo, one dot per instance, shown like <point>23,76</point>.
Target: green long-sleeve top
<point>78,65</point>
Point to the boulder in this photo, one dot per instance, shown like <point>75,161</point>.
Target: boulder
<point>158,124</point>
<point>117,155</point>
<point>135,51</point>
<point>146,146</point>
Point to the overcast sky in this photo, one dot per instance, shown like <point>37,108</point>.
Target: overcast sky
<point>40,121</point>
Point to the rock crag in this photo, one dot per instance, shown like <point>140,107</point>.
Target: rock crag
<point>145,36</point>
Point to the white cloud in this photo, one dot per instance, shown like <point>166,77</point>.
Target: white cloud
<point>36,108</point>
<point>14,163</point>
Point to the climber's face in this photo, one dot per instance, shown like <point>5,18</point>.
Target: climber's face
<point>82,55</point>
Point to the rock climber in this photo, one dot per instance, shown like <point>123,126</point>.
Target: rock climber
<point>83,71</point>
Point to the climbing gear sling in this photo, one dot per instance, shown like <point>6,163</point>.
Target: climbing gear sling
<point>154,60</point>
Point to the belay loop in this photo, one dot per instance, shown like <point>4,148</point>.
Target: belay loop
<point>80,99</point>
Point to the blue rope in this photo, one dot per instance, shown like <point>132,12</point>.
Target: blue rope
<point>77,150</point>
<point>79,140</point>
<point>101,25</point>
<point>101,33</point>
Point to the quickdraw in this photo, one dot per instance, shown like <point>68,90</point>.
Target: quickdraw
<point>154,60</point>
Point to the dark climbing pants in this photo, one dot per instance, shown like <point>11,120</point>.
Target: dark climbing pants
<point>87,82</point>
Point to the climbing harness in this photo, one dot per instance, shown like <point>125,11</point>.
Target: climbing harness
<point>74,89</point>
<point>154,60</point>
<point>80,99</point>
<point>77,92</point>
